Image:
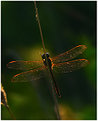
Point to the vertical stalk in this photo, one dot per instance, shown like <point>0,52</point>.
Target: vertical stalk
<point>51,82</point>
<point>37,17</point>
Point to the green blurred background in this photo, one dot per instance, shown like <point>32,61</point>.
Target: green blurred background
<point>64,25</point>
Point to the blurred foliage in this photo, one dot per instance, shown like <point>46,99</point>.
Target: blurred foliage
<point>64,25</point>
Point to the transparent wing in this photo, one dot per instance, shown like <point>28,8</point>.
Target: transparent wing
<point>69,66</point>
<point>69,54</point>
<point>31,75</point>
<point>24,65</point>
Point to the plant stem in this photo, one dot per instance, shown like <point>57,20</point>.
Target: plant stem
<point>51,82</point>
<point>37,17</point>
<point>11,113</point>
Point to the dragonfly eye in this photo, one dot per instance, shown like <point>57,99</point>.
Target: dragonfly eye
<point>43,56</point>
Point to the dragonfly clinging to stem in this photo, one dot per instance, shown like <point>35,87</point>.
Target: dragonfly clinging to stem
<point>63,63</point>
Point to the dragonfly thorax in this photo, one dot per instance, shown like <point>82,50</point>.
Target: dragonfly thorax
<point>48,59</point>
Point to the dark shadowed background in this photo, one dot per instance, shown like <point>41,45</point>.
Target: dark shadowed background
<point>64,25</point>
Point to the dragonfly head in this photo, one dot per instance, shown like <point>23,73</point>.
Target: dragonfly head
<point>48,59</point>
<point>44,57</point>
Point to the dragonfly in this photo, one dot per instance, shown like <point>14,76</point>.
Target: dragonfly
<point>62,63</point>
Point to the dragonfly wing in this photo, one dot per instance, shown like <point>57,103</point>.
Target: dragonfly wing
<point>31,75</point>
<point>24,65</point>
<point>69,54</point>
<point>69,66</point>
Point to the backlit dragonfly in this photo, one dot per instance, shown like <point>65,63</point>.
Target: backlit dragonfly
<point>34,70</point>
